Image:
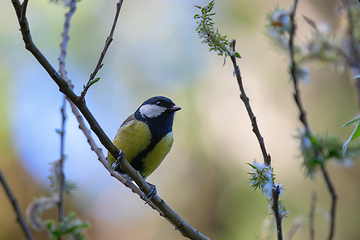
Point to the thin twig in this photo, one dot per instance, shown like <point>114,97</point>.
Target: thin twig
<point>19,216</point>
<point>65,40</point>
<point>183,227</point>
<point>108,41</point>
<point>293,69</point>
<point>245,99</point>
<point>63,73</point>
<point>294,75</point>
<point>312,215</point>
<point>303,119</point>
<point>62,156</point>
<point>334,197</point>
<point>276,210</point>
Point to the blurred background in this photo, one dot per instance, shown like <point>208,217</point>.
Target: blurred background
<point>156,51</point>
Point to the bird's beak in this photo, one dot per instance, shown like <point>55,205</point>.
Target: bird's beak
<point>175,108</point>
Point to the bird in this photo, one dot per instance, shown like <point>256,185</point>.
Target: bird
<point>146,136</point>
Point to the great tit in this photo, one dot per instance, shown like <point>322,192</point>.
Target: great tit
<point>146,136</point>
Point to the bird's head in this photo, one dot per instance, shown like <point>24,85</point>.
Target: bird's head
<point>157,107</point>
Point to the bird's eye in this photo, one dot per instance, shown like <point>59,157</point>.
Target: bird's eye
<point>158,103</point>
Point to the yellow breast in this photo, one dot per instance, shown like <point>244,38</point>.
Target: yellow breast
<point>133,138</point>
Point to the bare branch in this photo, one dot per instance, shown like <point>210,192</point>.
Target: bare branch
<point>293,73</point>
<point>65,39</point>
<point>63,73</point>
<point>62,156</point>
<point>266,156</point>
<point>19,216</point>
<point>245,99</point>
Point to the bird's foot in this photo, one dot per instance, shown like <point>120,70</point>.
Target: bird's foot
<point>116,166</point>
<point>152,193</point>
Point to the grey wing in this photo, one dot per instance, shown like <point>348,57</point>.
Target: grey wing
<point>128,120</point>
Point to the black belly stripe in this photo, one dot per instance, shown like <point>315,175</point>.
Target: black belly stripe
<point>136,162</point>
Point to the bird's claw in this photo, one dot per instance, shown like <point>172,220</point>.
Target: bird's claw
<point>116,166</point>
<point>151,194</point>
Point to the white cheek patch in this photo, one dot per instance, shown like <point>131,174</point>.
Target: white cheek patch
<point>151,110</point>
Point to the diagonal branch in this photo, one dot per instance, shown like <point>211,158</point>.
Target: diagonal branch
<point>19,216</point>
<point>183,227</point>
<point>245,99</point>
<point>266,156</point>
